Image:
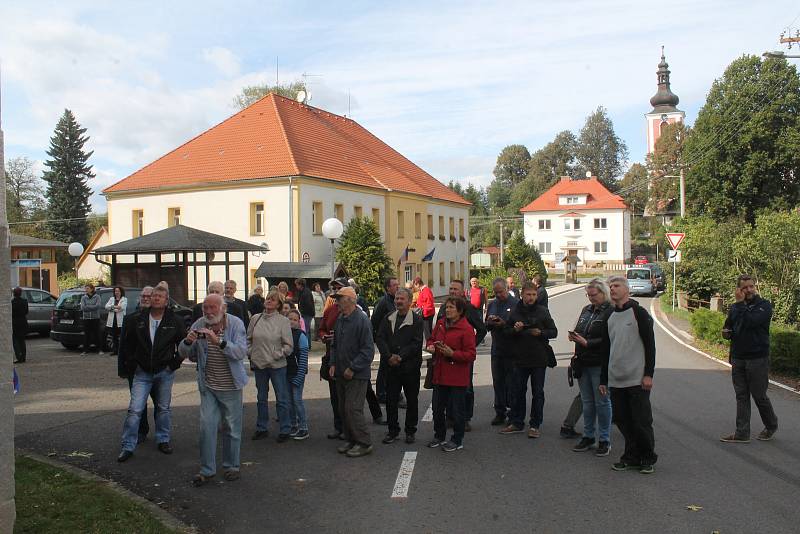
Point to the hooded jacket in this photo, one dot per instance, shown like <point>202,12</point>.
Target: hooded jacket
<point>455,370</point>
<point>749,325</point>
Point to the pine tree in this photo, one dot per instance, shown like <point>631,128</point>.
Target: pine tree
<point>67,175</point>
<point>522,255</point>
<point>363,255</point>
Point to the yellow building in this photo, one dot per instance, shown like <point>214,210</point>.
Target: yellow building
<point>273,172</point>
<point>33,262</point>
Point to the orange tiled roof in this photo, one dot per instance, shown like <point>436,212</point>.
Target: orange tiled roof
<point>598,197</point>
<point>276,137</point>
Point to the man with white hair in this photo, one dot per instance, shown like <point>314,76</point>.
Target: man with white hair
<point>218,343</point>
<point>236,306</point>
<point>629,363</point>
<point>214,288</point>
<point>150,346</point>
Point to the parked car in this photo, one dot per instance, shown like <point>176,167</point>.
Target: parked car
<point>640,260</point>
<point>658,275</point>
<point>641,281</point>
<point>67,323</point>
<point>40,309</point>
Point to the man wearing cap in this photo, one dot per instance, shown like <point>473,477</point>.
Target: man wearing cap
<point>351,355</point>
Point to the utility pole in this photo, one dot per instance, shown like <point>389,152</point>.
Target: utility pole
<point>7,507</point>
<point>683,193</point>
<point>502,253</point>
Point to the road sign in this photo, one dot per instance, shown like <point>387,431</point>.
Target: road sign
<point>674,256</point>
<point>675,239</point>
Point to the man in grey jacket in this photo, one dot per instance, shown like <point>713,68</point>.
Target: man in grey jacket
<point>351,356</point>
<point>90,312</point>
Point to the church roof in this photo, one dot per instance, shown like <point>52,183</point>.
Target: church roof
<point>279,137</point>
<point>664,101</point>
<point>597,196</point>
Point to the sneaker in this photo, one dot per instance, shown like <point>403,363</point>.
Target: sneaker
<point>766,434</point>
<point>432,444</point>
<point>512,429</point>
<point>733,438</point>
<point>451,446</point>
<point>498,420</point>
<point>84,353</point>
<point>467,427</point>
<point>390,438</point>
<point>603,449</point>
<point>410,438</point>
<point>346,447</point>
<point>359,450</point>
<point>647,469</point>
<point>568,433</point>
<point>534,433</point>
<point>282,438</point>
<point>623,466</point>
<point>293,432</point>
<point>301,435</point>
<point>583,445</point>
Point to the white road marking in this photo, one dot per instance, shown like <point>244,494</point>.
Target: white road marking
<point>700,352</point>
<point>403,481</point>
<point>428,417</point>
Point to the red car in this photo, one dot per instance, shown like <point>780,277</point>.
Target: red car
<point>640,260</point>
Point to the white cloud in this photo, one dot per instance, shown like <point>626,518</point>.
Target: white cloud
<point>225,61</point>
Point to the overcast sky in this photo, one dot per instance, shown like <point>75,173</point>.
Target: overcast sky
<point>447,84</point>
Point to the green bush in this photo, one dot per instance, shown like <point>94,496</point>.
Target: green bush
<point>707,325</point>
<point>784,349</point>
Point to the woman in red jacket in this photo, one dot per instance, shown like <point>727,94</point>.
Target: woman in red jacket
<point>453,345</point>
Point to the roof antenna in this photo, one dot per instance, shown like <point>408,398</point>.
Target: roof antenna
<point>348,102</point>
<point>276,71</point>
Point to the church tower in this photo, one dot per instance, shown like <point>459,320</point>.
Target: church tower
<point>664,104</point>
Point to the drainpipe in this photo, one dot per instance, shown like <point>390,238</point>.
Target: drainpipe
<point>291,222</point>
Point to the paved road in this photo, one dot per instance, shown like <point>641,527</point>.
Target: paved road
<point>496,483</point>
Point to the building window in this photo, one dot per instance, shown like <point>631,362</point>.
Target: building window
<point>137,223</point>
<point>408,274</point>
<point>418,225</point>
<point>567,224</point>
<point>173,216</point>
<point>576,224</point>
<point>376,217</point>
<point>358,212</point>
<point>452,271</point>
<point>47,255</point>
<point>461,270</point>
<point>441,227</point>
<point>256,218</point>
<point>441,273</point>
<point>338,212</point>
<point>401,224</point>
<point>601,247</point>
<point>572,243</point>
<point>430,227</point>
<point>544,224</point>
<point>316,218</point>
<point>545,248</point>
<point>461,235</point>
<point>452,222</point>
<point>430,273</point>
<point>600,223</point>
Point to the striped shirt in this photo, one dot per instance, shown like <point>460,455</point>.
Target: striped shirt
<point>218,371</point>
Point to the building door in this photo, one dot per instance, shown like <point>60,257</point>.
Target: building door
<point>572,252</point>
<point>46,279</point>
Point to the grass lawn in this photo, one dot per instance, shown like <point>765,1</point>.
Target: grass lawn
<point>53,500</point>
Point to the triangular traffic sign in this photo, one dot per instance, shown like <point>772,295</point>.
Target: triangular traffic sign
<point>675,239</point>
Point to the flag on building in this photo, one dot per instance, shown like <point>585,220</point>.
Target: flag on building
<point>403,256</point>
<point>429,255</point>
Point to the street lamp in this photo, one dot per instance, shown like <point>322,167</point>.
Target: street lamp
<point>332,229</point>
<point>75,250</point>
<point>779,54</point>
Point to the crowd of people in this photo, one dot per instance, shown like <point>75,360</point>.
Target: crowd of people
<point>613,363</point>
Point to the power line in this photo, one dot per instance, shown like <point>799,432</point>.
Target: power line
<point>88,217</point>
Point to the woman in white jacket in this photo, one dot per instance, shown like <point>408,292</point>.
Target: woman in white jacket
<point>116,307</point>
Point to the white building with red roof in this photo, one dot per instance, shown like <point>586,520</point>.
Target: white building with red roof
<point>579,218</point>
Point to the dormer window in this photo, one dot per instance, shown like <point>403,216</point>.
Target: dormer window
<point>572,199</point>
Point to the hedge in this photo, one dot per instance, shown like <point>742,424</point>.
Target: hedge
<point>784,341</point>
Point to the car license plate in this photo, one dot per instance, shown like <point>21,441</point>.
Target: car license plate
<point>67,321</point>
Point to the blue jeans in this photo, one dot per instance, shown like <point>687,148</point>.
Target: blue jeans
<point>595,405</point>
<point>143,383</point>
<point>297,409</point>
<point>502,381</point>
<point>309,320</point>
<point>521,376</point>
<point>281,386</point>
<point>216,406</point>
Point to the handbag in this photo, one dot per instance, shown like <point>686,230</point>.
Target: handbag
<point>551,357</point>
<point>429,376</point>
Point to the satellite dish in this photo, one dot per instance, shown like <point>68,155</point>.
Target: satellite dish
<point>301,96</point>
<point>588,174</point>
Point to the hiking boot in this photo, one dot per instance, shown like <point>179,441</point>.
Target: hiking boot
<point>359,450</point>
<point>346,447</point>
<point>451,446</point>
<point>647,469</point>
<point>603,449</point>
<point>623,466</point>
<point>390,438</point>
<point>498,420</point>
<point>568,433</point>
<point>733,438</point>
<point>583,445</point>
<point>512,429</point>
<point>534,433</point>
<point>301,435</point>
<point>766,434</point>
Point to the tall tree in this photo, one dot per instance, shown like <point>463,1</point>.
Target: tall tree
<point>522,255</point>
<point>510,170</point>
<point>362,253</point>
<point>23,190</point>
<point>633,188</point>
<point>67,174</point>
<point>744,149</point>
<point>600,150</point>
<point>251,93</point>
<point>546,166</point>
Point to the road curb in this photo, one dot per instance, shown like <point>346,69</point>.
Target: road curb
<point>162,516</point>
<point>656,313</point>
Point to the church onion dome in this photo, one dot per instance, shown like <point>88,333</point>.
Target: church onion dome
<point>664,100</point>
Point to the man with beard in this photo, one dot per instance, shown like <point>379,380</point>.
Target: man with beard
<point>218,343</point>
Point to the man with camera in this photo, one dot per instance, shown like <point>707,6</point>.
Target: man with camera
<point>530,327</point>
<point>497,315</point>
<point>747,326</point>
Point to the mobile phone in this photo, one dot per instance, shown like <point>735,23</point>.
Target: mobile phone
<point>200,335</point>
<point>571,332</point>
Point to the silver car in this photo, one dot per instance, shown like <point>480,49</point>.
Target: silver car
<point>40,309</point>
<point>641,281</point>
